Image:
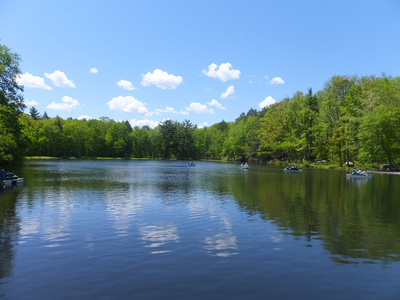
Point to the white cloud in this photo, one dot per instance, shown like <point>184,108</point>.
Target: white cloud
<point>204,124</point>
<point>32,103</point>
<point>125,84</point>
<point>229,91</point>
<point>30,81</point>
<point>161,79</point>
<point>224,73</point>
<point>199,108</point>
<point>84,117</point>
<point>67,104</point>
<point>94,70</point>
<point>128,104</point>
<point>216,104</point>
<point>60,79</point>
<point>141,123</point>
<point>267,102</point>
<point>166,110</point>
<point>170,110</point>
<point>276,80</point>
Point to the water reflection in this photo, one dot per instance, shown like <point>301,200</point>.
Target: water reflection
<point>209,207</point>
<point>122,205</point>
<point>359,181</point>
<point>221,244</point>
<point>356,222</point>
<point>158,236</point>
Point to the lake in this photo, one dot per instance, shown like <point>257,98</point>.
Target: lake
<point>115,229</point>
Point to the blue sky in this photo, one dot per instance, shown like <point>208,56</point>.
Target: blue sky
<point>205,61</point>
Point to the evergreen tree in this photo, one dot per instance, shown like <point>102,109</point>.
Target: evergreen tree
<point>33,112</point>
<point>45,116</point>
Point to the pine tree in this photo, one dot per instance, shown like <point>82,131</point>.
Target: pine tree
<point>33,112</point>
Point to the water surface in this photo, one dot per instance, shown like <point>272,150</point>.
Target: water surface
<point>162,230</point>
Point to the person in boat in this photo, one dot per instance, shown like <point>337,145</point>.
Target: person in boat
<point>359,171</point>
<point>2,174</point>
<point>354,171</point>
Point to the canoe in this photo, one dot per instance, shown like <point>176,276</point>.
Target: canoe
<point>359,176</point>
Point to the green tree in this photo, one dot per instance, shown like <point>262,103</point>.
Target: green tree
<point>380,135</point>
<point>45,116</point>
<point>185,147</point>
<point>117,139</point>
<point>11,106</point>
<point>168,130</point>
<point>34,113</point>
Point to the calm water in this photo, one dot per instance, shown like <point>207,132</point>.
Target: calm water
<point>162,230</point>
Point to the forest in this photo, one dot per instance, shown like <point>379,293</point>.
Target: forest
<point>352,119</point>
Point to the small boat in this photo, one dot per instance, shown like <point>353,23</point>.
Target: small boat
<point>244,166</point>
<point>191,164</point>
<point>359,176</point>
<point>292,170</point>
<point>10,179</point>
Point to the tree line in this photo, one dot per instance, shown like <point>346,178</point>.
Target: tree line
<point>352,118</point>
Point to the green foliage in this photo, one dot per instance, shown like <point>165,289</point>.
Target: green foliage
<point>351,119</point>
<point>12,143</point>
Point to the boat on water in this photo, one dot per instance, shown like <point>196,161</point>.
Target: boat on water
<point>292,170</point>
<point>244,166</point>
<point>359,176</point>
<point>10,179</point>
<point>191,164</point>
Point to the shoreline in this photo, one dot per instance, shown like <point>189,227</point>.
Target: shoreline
<point>385,172</point>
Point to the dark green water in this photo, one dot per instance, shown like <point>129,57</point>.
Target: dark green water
<point>162,230</point>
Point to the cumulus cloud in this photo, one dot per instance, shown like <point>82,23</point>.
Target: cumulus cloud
<point>161,79</point>
<point>84,117</point>
<point>216,104</point>
<point>224,72</point>
<point>128,104</point>
<point>276,80</point>
<point>125,84</point>
<point>229,91</point>
<point>60,79</point>
<point>267,102</point>
<point>146,122</point>
<point>30,81</point>
<point>94,70</point>
<point>199,108</point>
<point>67,104</point>
<point>32,103</point>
